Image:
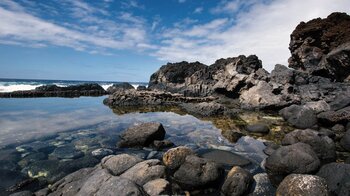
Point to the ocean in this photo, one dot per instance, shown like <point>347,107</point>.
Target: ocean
<point>10,85</point>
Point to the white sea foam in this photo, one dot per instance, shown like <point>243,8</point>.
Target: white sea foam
<point>17,87</point>
<point>105,86</point>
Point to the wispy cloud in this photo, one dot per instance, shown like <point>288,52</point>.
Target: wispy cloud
<point>198,10</point>
<point>182,1</point>
<point>264,29</point>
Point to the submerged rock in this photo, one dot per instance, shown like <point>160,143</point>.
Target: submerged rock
<point>224,158</point>
<point>297,158</point>
<point>297,184</point>
<point>237,182</point>
<point>117,164</point>
<point>101,152</point>
<point>67,152</point>
<point>142,135</point>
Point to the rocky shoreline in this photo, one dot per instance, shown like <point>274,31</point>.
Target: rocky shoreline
<point>313,97</point>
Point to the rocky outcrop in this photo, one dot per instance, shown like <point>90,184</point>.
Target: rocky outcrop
<point>56,91</point>
<point>319,48</point>
<point>119,87</point>
<point>142,135</point>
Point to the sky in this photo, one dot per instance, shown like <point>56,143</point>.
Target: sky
<point>128,40</point>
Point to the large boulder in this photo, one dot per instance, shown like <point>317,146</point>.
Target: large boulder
<point>142,135</point>
<point>321,46</point>
<point>297,158</point>
<point>335,117</point>
<point>175,157</point>
<point>337,176</point>
<point>299,116</point>
<point>345,141</point>
<point>197,172</point>
<point>298,184</point>
<point>119,87</point>
<point>323,146</point>
<point>237,182</point>
<point>117,164</point>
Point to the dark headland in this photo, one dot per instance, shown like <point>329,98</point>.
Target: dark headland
<point>312,94</point>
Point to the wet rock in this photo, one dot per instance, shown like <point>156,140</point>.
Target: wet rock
<point>297,158</point>
<point>22,193</point>
<point>157,187</point>
<point>335,117</point>
<point>250,148</point>
<point>119,87</point>
<point>67,152</point>
<point>337,176</point>
<point>232,136</point>
<point>101,152</point>
<point>44,168</point>
<point>299,116</point>
<point>258,128</point>
<point>102,183</point>
<point>345,141</point>
<point>175,157</point>
<point>237,182</point>
<point>323,146</point>
<point>197,172</point>
<point>224,158</point>
<point>117,164</point>
<point>145,171</point>
<point>142,135</point>
<point>159,145</point>
<point>297,184</point>
<point>204,109</point>
<point>262,185</point>
<point>32,158</point>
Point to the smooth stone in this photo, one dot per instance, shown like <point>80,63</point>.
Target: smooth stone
<point>67,152</point>
<point>323,146</point>
<point>262,185</point>
<point>101,152</point>
<point>345,141</point>
<point>142,135</point>
<point>297,158</point>
<point>117,164</point>
<point>237,182</point>
<point>174,157</point>
<point>145,171</point>
<point>258,128</point>
<point>298,184</point>
<point>337,176</point>
<point>157,187</point>
<point>197,172</point>
<point>222,157</point>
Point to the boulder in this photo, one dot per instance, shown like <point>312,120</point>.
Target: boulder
<point>297,158</point>
<point>145,171</point>
<point>141,88</point>
<point>262,185</point>
<point>320,47</point>
<point>157,187</point>
<point>299,116</point>
<point>345,141</point>
<point>175,157</point>
<point>301,184</point>
<point>335,117</point>
<point>337,176</point>
<point>142,135</point>
<point>119,87</point>
<point>117,164</point>
<point>323,146</point>
<point>258,128</point>
<point>237,182</point>
<point>197,172</point>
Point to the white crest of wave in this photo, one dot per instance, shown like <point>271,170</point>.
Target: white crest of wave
<point>17,87</point>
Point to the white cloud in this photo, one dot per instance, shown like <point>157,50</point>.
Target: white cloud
<point>263,30</point>
<point>198,10</point>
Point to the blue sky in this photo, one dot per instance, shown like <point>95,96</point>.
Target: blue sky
<point>128,40</point>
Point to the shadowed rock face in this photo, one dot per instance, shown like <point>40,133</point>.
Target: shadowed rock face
<point>322,47</point>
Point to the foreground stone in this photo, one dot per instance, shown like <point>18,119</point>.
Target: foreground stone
<point>117,164</point>
<point>337,176</point>
<point>263,185</point>
<point>142,135</point>
<point>297,158</point>
<point>237,182</point>
<point>297,184</point>
<point>299,116</point>
<point>197,172</point>
<point>323,146</point>
<point>157,187</point>
<point>175,157</point>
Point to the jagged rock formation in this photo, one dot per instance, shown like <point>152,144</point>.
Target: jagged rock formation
<point>322,47</point>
